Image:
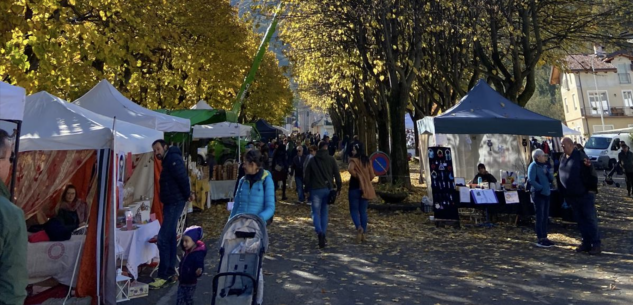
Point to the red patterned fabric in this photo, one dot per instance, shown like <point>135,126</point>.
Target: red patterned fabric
<point>42,173</point>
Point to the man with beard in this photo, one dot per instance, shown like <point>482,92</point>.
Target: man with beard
<point>175,191</point>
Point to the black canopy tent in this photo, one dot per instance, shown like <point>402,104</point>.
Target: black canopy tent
<point>484,111</point>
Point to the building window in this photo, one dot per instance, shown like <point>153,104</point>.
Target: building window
<point>566,106</point>
<point>574,101</point>
<point>594,100</point>
<point>628,98</point>
<point>598,128</point>
<point>623,74</point>
<point>565,82</point>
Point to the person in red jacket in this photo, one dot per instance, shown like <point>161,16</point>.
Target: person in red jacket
<point>191,265</point>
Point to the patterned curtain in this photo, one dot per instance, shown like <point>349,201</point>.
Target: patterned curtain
<point>42,173</point>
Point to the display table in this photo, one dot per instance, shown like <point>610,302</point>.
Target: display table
<point>54,259</point>
<point>525,207</point>
<point>222,189</point>
<point>134,247</point>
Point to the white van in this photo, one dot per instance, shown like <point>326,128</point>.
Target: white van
<point>603,147</point>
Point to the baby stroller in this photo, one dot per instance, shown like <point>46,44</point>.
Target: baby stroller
<point>242,246</point>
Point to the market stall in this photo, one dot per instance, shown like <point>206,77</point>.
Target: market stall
<point>104,99</point>
<point>63,143</point>
<point>222,184</point>
<point>12,100</point>
<point>486,128</point>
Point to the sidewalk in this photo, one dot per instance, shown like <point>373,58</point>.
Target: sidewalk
<point>409,261</point>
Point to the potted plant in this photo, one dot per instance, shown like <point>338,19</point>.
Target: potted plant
<point>392,193</point>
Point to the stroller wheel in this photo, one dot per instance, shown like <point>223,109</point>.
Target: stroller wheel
<point>617,185</point>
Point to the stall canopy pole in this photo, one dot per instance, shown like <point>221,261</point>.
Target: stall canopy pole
<point>16,149</point>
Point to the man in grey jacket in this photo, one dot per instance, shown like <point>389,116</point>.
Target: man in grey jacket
<point>13,237</point>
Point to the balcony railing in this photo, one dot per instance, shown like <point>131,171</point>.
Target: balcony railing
<point>625,78</point>
<point>619,111</point>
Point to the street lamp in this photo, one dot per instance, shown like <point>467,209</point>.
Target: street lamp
<point>598,53</point>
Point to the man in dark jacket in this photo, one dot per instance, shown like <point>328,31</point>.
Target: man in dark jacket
<point>13,237</point>
<point>296,168</point>
<point>175,191</point>
<point>625,158</point>
<point>318,175</point>
<point>578,186</point>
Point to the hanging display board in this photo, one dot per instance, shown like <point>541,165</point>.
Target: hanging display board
<point>442,183</point>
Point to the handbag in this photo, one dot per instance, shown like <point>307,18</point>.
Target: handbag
<point>333,193</point>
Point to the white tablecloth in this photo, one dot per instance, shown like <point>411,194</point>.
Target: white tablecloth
<point>54,259</point>
<point>135,248</point>
<point>222,189</point>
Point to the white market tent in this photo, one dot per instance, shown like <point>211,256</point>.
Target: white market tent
<point>11,102</point>
<point>221,130</point>
<point>51,123</point>
<point>283,130</point>
<point>202,105</point>
<point>570,132</point>
<point>104,99</point>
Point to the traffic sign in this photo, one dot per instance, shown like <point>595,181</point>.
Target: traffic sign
<point>380,162</point>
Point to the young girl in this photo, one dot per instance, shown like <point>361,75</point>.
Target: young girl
<point>191,265</point>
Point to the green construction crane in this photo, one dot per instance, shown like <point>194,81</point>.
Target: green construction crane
<point>237,106</point>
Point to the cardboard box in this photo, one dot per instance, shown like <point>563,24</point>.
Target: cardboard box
<point>138,290</point>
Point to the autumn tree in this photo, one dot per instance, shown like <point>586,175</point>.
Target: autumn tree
<point>160,54</point>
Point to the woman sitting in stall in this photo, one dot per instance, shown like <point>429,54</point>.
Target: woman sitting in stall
<point>72,210</point>
<point>484,175</point>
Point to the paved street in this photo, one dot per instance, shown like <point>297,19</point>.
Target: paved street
<point>409,261</point>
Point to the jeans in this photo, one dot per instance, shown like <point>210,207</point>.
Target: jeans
<point>584,208</point>
<point>167,243</point>
<point>541,206</point>
<point>358,209</point>
<point>185,294</point>
<point>320,209</point>
<point>299,183</point>
<point>629,181</point>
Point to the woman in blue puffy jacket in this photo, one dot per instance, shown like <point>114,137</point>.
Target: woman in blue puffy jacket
<point>539,179</point>
<point>256,190</point>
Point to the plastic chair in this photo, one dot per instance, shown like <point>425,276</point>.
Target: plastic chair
<point>180,229</point>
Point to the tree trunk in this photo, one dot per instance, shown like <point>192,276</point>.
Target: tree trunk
<point>399,160</point>
<point>370,142</point>
<point>383,133</point>
<point>418,116</point>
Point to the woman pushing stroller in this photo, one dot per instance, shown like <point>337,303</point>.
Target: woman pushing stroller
<point>256,190</point>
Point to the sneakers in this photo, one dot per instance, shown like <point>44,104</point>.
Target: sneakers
<point>321,240</point>
<point>359,235</point>
<point>595,250</point>
<point>544,243</point>
<point>159,283</point>
<point>583,248</point>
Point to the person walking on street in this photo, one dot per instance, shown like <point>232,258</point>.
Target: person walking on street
<point>361,190</point>
<point>540,179</point>
<point>625,158</point>
<point>579,187</point>
<point>298,163</point>
<point>319,173</point>
<point>280,169</point>
<point>13,236</point>
<point>175,191</point>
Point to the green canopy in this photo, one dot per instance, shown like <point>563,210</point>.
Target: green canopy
<point>197,117</point>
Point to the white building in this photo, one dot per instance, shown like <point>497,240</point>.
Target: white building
<point>584,98</point>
